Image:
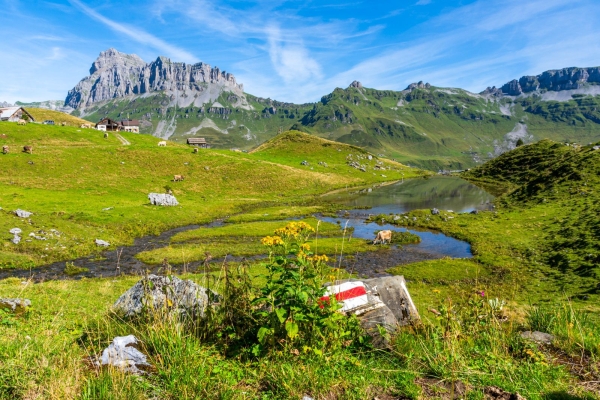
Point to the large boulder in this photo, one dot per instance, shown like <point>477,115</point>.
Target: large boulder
<point>377,302</point>
<point>162,199</point>
<point>167,294</point>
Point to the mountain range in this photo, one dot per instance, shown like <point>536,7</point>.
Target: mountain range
<point>423,125</point>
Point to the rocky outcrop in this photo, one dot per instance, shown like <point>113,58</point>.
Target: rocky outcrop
<point>418,85</point>
<point>356,84</point>
<point>115,75</point>
<point>553,80</point>
<point>165,294</point>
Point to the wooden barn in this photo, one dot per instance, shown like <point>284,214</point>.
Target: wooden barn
<point>14,114</point>
<point>199,142</point>
<point>130,125</point>
<point>108,125</point>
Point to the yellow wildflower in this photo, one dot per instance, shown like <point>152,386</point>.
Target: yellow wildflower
<point>272,241</point>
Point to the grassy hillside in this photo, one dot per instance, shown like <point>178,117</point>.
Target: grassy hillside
<point>88,187</point>
<point>430,127</point>
<point>42,114</point>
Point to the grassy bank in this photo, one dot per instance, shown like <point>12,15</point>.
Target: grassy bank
<point>85,187</point>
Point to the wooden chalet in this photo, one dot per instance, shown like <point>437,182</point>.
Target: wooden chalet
<point>14,114</point>
<point>199,142</point>
<point>130,125</point>
<point>108,125</point>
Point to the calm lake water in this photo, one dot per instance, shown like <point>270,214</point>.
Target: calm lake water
<point>442,192</point>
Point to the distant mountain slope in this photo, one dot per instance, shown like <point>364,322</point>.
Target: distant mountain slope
<point>423,125</point>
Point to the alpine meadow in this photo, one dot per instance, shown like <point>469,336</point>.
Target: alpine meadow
<point>172,230</point>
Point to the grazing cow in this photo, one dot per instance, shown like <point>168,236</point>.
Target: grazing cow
<point>86,125</point>
<point>21,122</point>
<point>5,149</point>
<point>382,236</point>
<point>177,178</point>
<point>105,135</point>
<point>63,124</point>
<point>195,150</point>
<point>162,143</point>
<point>28,149</point>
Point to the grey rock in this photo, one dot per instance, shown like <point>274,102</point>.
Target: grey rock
<point>537,336</point>
<point>15,231</point>
<point>435,211</point>
<point>22,213</point>
<point>388,304</point>
<point>107,208</point>
<point>356,84</point>
<point>15,305</point>
<point>122,353</point>
<point>115,75</point>
<point>165,293</point>
<point>162,199</point>
<point>16,239</point>
<point>553,80</point>
<point>370,157</point>
<point>102,243</point>
<point>304,162</point>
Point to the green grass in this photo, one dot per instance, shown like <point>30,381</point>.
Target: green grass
<point>87,187</point>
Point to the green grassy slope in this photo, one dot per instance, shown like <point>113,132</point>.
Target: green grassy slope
<point>429,127</point>
<point>88,187</point>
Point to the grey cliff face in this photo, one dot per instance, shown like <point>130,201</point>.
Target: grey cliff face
<point>553,80</point>
<point>116,74</point>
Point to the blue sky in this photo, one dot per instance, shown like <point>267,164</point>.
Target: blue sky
<point>299,50</point>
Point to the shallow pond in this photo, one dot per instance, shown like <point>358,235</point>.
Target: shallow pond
<point>442,192</point>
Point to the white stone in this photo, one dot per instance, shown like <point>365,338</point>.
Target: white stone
<point>123,354</point>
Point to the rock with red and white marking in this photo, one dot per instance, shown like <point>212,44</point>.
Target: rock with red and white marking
<point>377,302</point>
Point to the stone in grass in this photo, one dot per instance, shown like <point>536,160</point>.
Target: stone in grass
<point>165,294</point>
<point>538,337</point>
<point>435,211</point>
<point>16,239</point>
<point>122,353</point>
<point>496,393</point>
<point>15,305</point>
<point>15,231</point>
<point>162,199</point>
<point>22,213</point>
<point>102,243</point>
<point>378,302</point>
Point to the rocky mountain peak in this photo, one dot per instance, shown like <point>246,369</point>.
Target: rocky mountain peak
<point>114,58</point>
<point>356,84</point>
<point>418,85</point>
<point>553,80</point>
<point>115,75</point>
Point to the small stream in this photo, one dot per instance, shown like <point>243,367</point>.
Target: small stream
<point>440,192</point>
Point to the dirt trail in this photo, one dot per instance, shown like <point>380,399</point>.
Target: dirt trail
<point>122,139</point>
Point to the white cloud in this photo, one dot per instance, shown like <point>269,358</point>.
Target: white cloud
<point>291,60</point>
<point>138,35</point>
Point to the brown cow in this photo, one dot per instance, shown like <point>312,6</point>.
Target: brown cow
<point>28,149</point>
<point>5,149</point>
<point>382,236</point>
<point>195,150</point>
<point>177,178</point>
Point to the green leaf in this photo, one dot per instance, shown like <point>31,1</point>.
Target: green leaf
<point>292,329</point>
<point>263,332</point>
<point>281,314</point>
<point>317,352</point>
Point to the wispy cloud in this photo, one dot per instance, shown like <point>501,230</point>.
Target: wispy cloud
<point>138,35</point>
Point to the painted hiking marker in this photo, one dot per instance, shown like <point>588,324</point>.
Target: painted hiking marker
<point>352,296</point>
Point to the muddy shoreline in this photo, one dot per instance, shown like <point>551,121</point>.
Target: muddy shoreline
<point>122,261</point>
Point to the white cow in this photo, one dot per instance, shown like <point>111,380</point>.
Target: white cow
<point>162,143</point>
<point>382,236</point>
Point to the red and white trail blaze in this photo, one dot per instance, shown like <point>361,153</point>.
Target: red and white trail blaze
<point>351,294</point>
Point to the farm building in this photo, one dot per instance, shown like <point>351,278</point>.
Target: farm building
<point>13,114</point>
<point>199,142</point>
<point>130,125</point>
<point>108,125</point>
